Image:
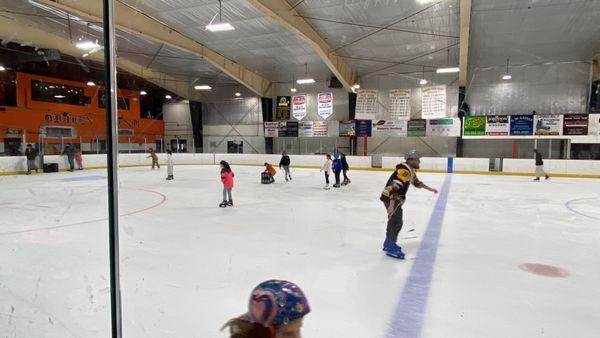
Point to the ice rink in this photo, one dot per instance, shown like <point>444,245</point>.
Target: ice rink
<point>490,256</point>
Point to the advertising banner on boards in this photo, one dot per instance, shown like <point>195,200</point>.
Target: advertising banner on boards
<point>283,107</point>
<point>521,125</point>
<point>325,105</point>
<point>383,128</point>
<point>474,126</point>
<point>347,128</point>
<point>497,125</point>
<point>363,128</point>
<point>575,124</point>
<point>417,128</point>
<point>444,127</point>
<point>548,125</point>
<point>299,108</point>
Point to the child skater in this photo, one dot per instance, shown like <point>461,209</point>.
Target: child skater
<point>169,165</point>
<point>154,158</point>
<point>326,168</point>
<point>79,159</point>
<point>227,180</point>
<point>271,171</point>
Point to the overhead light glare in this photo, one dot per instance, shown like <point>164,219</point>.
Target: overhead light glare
<point>219,27</point>
<point>87,45</point>
<point>168,97</point>
<point>238,94</point>
<point>423,82</point>
<point>143,92</point>
<point>507,77</point>
<point>59,96</point>
<point>91,83</point>
<point>2,68</point>
<point>293,90</point>
<point>447,70</point>
<point>356,86</point>
<point>306,81</point>
<point>202,87</point>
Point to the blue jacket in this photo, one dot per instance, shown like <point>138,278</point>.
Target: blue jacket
<point>337,164</point>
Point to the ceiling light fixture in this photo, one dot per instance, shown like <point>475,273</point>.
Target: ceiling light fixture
<point>221,26</point>
<point>2,68</point>
<point>306,80</point>
<point>168,97</point>
<point>293,90</point>
<point>91,83</point>
<point>448,69</point>
<point>423,80</point>
<point>238,94</point>
<point>143,92</point>
<point>202,87</point>
<point>87,45</point>
<point>356,86</point>
<point>507,76</point>
<point>59,96</point>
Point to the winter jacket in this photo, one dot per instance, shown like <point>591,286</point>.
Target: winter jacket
<point>69,151</point>
<point>285,160</point>
<point>538,159</point>
<point>337,164</point>
<point>345,165</point>
<point>271,170</point>
<point>227,178</point>
<point>326,166</point>
<point>31,154</point>
<point>78,156</point>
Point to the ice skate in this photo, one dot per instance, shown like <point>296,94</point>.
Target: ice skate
<point>386,245</point>
<point>395,252</point>
<point>547,177</point>
<point>326,187</point>
<point>223,204</point>
<point>536,179</point>
<point>337,185</point>
<point>230,203</point>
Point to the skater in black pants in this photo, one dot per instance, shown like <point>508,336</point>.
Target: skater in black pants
<point>393,197</point>
<point>345,169</point>
<point>284,164</point>
<point>31,155</point>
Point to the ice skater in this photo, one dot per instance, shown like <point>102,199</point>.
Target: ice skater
<point>345,169</point>
<point>539,166</point>
<point>276,309</point>
<point>393,197</point>
<point>79,159</point>
<point>269,173</point>
<point>69,151</point>
<point>337,168</point>
<point>31,155</point>
<point>326,168</point>
<point>227,179</point>
<point>169,165</point>
<point>154,158</point>
<point>284,164</point>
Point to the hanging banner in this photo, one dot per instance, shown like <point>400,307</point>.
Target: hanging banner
<point>444,127</point>
<point>417,128</point>
<point>382,128</point>
<point>299,107</point>
<point>347,128</point>
<point>594,124</point>
<point>575,124</point>
<point>474,126</point>
<point>548,125</point>
<point>497,126</point>
<point>363,128</point>
<point>399,104</point>
<point>305,129</point>
<point>320,128</point>
<point>325,105</point>
<point>283,107</point>
<point>521,125</point>
<point>271,129</point>
<point>433,102</point>
<point>366,104</point>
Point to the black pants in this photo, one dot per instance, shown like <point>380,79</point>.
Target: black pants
<point>346,176</point>
<point>327,177</point>
<point>337,176</point>
<point>394,224</point>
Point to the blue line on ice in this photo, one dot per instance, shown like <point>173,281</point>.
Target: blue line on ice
<point>409,314</point>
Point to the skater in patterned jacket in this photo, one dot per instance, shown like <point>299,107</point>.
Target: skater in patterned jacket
<point>227,180</point>
<point>393,197</point>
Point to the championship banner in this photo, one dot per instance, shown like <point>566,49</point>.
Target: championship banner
<point>305,129</point>
<point>417,128</point>
<point>271,129</point>
<point>474,126</point>
<point>363,128</point>
<point>399,104</point>
<point>433,102</point>
<point>575,124</point>
<point>347,129</point>
<point>497,126</point>
<point>594,124</point>
<point>382,128</point>
<point>320,129</point>
<point>521,125</point>
<point>283,107</point>
<point>548,125</point>
<point>366,104</point>
<point>444,127</point>
<point>325,105</point>
<point>299,106</point>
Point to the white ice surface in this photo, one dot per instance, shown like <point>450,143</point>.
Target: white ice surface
<point>187,266</point>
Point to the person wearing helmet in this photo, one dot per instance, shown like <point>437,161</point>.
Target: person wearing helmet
<point>393,197</point>
<point>276,309</point>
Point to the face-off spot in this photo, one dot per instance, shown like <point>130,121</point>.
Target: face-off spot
<point>544,270</point>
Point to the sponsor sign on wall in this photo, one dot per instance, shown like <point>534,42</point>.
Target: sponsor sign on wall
<point>417,128</point>
<point>363,128</point>
<point>497,125</point>
<point>305,129</point>
<point>521,125</point>
<point>396,128</point>
<point>575,124</point>
<point>366,104</point>
<point>433,102</point>
<point>271,129</point>
<point>443,127</point>
<point>283,107</point>
<point>325,105</point>
<point>320,128</point>
<point>299,107</point>
<point>347,128</point>
<point>548,125</point>
<point>399,104</point>
<point>474,126</point>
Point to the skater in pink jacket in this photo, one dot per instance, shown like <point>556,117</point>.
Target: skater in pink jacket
<point>227,180</point>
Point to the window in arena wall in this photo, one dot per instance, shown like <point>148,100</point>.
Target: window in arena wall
<point>57,93</point>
